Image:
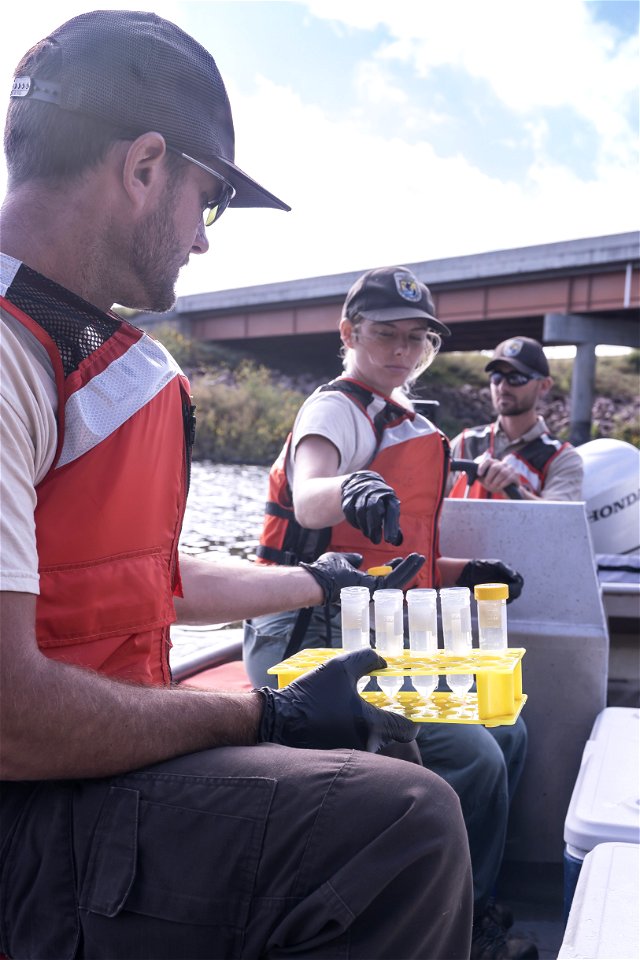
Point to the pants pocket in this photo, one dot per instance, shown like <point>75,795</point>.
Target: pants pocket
<point>183,849</point>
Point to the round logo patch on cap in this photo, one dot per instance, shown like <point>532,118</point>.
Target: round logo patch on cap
<point>512,348</point>
<point>407,287</point>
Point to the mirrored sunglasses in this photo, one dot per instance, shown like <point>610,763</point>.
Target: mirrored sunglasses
<point>214,208</point>
<point>514,378</point>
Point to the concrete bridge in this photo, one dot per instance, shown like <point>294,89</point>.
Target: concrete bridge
<point>582,292</point>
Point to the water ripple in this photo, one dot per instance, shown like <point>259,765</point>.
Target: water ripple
<point>225,509</point>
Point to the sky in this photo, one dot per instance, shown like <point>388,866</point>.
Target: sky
<point>407,131</point>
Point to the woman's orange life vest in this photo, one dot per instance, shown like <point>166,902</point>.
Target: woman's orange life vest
<point>531,462</point>
<point>411,455</point>
<point>110,509</point>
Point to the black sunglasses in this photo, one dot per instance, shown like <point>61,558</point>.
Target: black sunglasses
<point>214,208</point>
<point>514,378</point>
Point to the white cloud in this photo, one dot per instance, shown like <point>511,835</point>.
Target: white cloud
<point>361,200</point>
<point>533,55</point>
<point>374,84</point>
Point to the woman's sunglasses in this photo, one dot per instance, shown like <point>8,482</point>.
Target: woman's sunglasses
<point>514,378</point>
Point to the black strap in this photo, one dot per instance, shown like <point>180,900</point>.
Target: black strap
<point>619,568</point>
<point>274,509</point>
<point>189,425</point>
<point>389,414</point>
<point>300,629</point>
<point>298,632</point>
<point>283,557</point>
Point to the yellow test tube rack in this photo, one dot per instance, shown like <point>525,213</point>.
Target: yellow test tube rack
<point>497,701</point>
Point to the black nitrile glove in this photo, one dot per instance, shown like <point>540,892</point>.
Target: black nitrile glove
<point>371,505</point>
<point>491,571</point>
<point>333,571</point>
<point>323,709</point>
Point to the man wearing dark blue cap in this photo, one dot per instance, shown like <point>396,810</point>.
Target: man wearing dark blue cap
<point>518,449</point>
<point>140,820</point>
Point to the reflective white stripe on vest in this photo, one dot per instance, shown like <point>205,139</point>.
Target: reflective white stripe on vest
<point>110,398</point>
<point>551,441</point>
<point>404,431</point>
<point>529,475</point>
<point>478,432</point>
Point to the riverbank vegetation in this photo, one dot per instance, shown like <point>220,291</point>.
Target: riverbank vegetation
<point>244,410</point>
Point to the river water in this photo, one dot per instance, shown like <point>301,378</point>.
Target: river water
<point>223,518</point>
<point>225,508</point>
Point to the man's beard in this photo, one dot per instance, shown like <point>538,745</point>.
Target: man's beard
<point>513,406</point>
<point>155,260</point>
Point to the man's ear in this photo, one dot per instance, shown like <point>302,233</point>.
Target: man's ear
<point>545,386</point>
<point>144,174</point>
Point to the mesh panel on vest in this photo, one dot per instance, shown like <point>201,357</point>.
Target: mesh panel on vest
<point>76,327</point>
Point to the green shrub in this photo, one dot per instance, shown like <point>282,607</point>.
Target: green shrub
<point>183,350</point>
<point>618,376</point>
<point>244,412</point>
<point>242,416</point>
<point>453,369</point>
<point>191,355</point>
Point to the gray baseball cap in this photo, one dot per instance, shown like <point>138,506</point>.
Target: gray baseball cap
<point>139,72</point>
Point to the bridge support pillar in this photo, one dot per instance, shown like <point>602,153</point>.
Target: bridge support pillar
<point>583,381</point>
<point>586,333</point>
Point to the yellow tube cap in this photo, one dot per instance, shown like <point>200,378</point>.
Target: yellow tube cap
<point>379,571</point>
<point>491,591</point>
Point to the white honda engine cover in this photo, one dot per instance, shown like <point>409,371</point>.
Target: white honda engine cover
<point>612,494</point>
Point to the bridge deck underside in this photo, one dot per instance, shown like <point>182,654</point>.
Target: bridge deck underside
<point>479,315</point>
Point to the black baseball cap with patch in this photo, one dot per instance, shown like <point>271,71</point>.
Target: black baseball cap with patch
<point>392,293</point>
<point>523,354</point>
<point>141,73</point>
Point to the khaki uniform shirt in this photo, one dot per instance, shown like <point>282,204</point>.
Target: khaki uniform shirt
<point>565,472</point>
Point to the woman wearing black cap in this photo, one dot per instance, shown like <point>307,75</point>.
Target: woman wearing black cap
<point>362,472</point>
<point>361,469</point>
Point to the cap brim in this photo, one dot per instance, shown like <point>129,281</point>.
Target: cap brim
<point>517,365</point>
<point>405,313</point>
<point>248,192</point>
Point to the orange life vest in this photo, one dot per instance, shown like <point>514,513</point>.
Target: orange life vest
<point>110,509</point>
<point>411,455</point>
<point>531,462</point>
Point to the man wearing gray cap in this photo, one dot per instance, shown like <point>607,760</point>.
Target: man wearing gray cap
<point>518,450</point>
<point>140,820</point>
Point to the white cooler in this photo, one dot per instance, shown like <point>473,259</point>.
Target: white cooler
<point>604,922</point>
<point>605,803</point>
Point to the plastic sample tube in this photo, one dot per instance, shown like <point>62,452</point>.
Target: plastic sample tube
<point>354,611</point>
<point>354,604</point>
<point>389,634</point>
<point>492,615</point>
<point>455,603</point>
<point>423,633</point>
